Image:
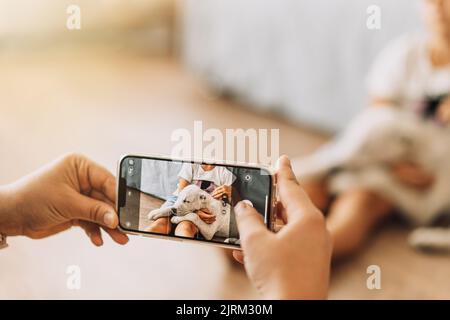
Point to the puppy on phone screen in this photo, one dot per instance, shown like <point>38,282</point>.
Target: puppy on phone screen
<point>190,200</point>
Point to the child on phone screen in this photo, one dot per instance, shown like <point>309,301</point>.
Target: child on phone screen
<point>215,180</point>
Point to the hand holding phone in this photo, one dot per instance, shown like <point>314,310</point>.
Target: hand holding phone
<point>293,263</point>
<point>71,191</point>
<point>190,200</point>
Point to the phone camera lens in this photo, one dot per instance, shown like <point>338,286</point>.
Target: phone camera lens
<point>130,171</point>
<point>248,178</point>
<point>131,162</point>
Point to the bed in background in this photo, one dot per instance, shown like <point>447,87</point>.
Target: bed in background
<point>305,60</point>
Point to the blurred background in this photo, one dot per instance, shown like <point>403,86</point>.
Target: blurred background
<point>139,69</point>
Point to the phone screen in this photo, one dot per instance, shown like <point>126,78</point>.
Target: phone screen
<point>186,199</point>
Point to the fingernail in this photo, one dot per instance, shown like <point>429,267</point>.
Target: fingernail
<point>109,219</point>
<point>286,158</point>
<point>248,202</point>
<point>99,242</point>
<point>242,205</point>
<point>286,161</point>
<point>126,240</point>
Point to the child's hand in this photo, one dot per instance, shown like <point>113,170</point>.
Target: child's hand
<point>295,262</point>
<point>206,216</point>
<point>221,191</point>
<point>443,112</point>
<point>412,175</point>
<point>73,191</point>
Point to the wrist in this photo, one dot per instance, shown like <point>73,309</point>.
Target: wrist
<point>8,212</point>
<point>297,290</point>
<point>296,295</point>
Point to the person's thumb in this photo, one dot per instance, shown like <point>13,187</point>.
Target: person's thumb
<point>96,211</point>
<point>250,222</point>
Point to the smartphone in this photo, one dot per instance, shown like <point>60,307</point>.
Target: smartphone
<point>188,200</point>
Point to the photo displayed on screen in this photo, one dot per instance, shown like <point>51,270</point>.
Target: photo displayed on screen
<point>189,200</point>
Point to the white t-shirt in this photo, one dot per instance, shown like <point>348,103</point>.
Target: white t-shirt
<point>219,175</point>
<point>403,72</point>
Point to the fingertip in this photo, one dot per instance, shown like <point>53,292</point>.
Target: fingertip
<point>110,220</point>
<point>97,240</point>
<point>283,160</point>
<point>238,256</point>
<point>285,171</point>
<point>242,205</point>
<point>124,240</point>
<point>249,221</point>
<point>117,236</point>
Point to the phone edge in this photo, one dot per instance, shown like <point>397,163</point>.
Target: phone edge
<point>272,212</point>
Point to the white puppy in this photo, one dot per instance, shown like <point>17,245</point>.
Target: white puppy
<point>377,138</point>
<point>191,199</point>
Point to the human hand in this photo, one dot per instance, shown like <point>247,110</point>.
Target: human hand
<point>72,191</point>
<point>443,111</point>
<point>412,175</point>
<point>295,262</point>
<point>206,215</point>
<point>221,191</point>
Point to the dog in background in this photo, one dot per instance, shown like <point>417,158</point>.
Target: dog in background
<point>361,155</point>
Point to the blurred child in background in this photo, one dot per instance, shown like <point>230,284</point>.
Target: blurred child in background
<point>411,74</point>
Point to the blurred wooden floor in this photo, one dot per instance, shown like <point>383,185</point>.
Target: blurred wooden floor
<point>107,104</point>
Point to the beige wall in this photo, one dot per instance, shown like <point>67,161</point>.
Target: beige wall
<point>31,21</point>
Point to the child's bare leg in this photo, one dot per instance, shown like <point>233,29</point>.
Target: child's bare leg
<point>161,225</point>
<point>352,216</point>
<point>317,192</point>
<point>186,229</point>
